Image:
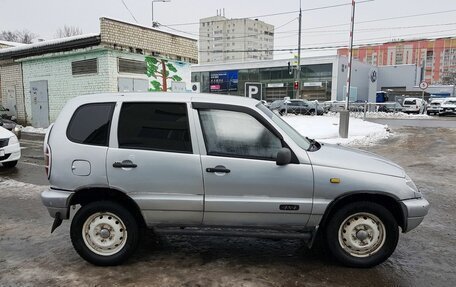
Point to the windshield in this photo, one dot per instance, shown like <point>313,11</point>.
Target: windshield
<point>301,141</point>
<point>450,102</point>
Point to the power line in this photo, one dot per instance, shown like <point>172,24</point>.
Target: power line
<point>129,11</point>
<point>276,14</point>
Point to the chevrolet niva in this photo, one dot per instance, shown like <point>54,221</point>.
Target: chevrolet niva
<point>201,164</point>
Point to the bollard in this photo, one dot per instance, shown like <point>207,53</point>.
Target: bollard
<point>343,123</point>
<point>365,110</point>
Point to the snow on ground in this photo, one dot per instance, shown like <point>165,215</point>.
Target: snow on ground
<point>397,115</point>
<point>29,129</point>
<point>326,129</point>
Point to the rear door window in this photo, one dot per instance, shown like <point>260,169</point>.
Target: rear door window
<point>410,102</point>
<point>154,126</point>
<point>91,123</point>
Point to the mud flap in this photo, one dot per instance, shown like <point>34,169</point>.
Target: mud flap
<point>312,239</point>
<point>57,222</point>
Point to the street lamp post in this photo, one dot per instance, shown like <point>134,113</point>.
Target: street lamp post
<point>155,24</point>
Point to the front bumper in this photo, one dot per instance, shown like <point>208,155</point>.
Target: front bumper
<point>414,210</point>
<point>57,202</point>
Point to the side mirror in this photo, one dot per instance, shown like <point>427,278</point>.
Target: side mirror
<point>283,156</point>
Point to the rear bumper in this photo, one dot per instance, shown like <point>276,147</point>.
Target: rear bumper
<point>414,210</point>
<point>57,202</point>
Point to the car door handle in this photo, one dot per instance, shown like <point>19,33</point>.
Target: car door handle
<point>125,163</point>
<point>218,168</point>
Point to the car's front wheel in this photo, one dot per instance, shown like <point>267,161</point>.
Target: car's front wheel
<point>362,234</point>
<point>104,233</point>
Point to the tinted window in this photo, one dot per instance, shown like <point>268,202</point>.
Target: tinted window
<point>90,124</point>
<point>410,102</point>
<point>154,126</point>
<point>237,134</point>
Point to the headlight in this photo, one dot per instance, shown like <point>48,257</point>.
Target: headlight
<point>13,140</point>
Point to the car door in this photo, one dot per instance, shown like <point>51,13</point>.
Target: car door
<point>243,184</point>
<point>153,159</point>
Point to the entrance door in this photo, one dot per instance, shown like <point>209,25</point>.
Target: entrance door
<point>11,100</point>
<point>40,104</point>
<point>242,182</point>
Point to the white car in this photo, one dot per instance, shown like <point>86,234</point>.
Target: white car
<point>10,150</point>
<point>414,105</point>
<point>448,107</point>
<point>434,106</point>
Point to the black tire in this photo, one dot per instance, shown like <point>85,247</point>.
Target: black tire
<point>391,234</point>
<point>282,112</point>
<point>312,112</point>
<point>10,164</point>
<point>131,230</point>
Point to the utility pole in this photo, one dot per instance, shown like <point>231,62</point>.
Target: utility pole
<point>298,68</point>
<point>155,24</point>
<point>345,115</point>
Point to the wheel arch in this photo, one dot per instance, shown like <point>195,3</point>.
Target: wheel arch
<point>389,202</point>
<point>91,194</point>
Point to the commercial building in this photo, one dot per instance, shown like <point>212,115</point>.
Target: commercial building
<point>224,40</point>
<point>436,56</point>
<point>37,80</point>
<point>321,78</point>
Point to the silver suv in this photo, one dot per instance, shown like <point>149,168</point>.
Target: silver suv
<point>216,165</point>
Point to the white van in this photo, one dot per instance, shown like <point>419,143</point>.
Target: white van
<point>414,105</point>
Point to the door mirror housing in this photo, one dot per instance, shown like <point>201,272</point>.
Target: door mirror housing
<point>283,156</point>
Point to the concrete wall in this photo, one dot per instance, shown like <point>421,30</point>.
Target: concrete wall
<point>62,85</point>
<point>114,32</point>
<point>11,84</point>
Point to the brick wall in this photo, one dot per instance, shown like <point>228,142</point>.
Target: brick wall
<point>62,85</point>
<point>119,33</point>
<point>11,81</point>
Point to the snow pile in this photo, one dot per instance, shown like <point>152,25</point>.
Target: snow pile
<point>326,129</point>
<point>396,115</point>
<point>30,129</point>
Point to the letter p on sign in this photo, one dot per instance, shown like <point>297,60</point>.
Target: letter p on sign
<point>253,90</point>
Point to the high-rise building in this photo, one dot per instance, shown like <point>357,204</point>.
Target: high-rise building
<point>224,40</point>
<point>436,56</point>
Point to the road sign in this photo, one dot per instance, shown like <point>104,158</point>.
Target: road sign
<point>253,90</point>
<point>423,85</point>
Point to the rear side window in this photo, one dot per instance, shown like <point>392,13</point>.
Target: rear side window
<point>154,126</point>
<point>410,102</point>
<point>90,124</point>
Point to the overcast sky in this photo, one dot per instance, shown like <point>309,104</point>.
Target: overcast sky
<point>44,17</point>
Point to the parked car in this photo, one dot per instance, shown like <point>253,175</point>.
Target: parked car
<point>414,105</point>
<point>390,107</point>
<point>448,107</point>
<point>297,107</point>
<point>7,113</point>
<point>11,126</point>
<point>180,164</point>
<point>335,106</point>
<point>10,150</point>
<point>434,106</point>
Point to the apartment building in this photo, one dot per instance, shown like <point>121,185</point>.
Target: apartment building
<point>224,40</point>
<point>436,56</point>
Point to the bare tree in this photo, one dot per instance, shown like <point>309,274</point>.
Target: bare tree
<point>449,78</point>
<point>68,31</point>
<point>23,36</point>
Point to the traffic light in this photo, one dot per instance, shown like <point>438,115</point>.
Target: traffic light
<point>289,68</point>
<point>296,85</point>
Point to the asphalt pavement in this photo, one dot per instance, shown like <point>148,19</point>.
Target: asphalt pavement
<point>426,256</point>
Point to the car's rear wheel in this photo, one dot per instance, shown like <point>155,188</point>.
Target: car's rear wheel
<point>362,234</point>
<point>104,233</point>
<point>10,164</point>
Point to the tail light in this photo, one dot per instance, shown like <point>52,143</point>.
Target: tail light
<point>47,160</point>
